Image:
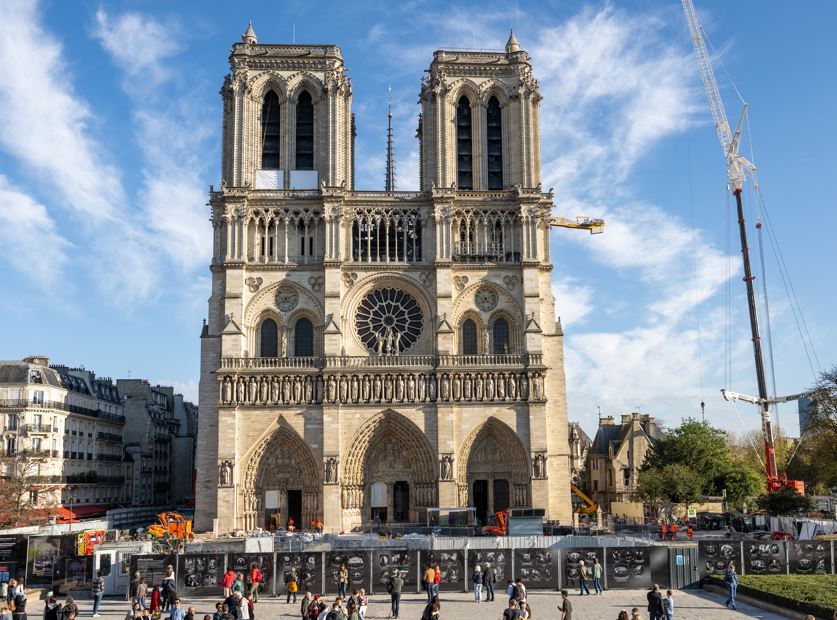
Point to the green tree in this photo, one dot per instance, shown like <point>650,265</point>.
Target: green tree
<point>786,502</point>
<point>743,484</point>
<point>683,484</point>
<point>650,489</point>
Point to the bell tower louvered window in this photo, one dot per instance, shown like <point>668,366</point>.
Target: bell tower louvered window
<point>270,132</point>
<point>464,146</point>
<point>304,132</point>
<point>494,146</point>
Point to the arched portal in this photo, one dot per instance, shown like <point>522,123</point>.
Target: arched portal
<point>281,478</point>
<point>493,469</point>
<point>389,473</point>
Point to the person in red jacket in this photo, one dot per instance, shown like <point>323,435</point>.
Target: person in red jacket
<point>155,600</point>
<point>228,581</point>
<point>256,578</point>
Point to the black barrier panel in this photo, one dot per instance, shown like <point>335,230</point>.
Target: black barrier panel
<point>243,563</point>
<point>810,558</point>
<point>659,558</point>
<point>309,570</point>
<point>12,558</point>
<point>200,574</point>
<point>715,556</point>
<point>538,568</point>
<point>572,564</point>
<point>44,559</point>
<point>152,568</point>
<point>357,561</point>
<point>451,566</point>
<point>499,559</point>
<point>765,557</point>
<point>628,567</point>
<point>386,561</point>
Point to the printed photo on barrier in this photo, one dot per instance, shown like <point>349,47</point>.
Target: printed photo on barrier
<point>359,570</point>
<point>499,560</point>
<point>12,558</point>
<point>538,568</point>
<point>765,557</point>
<point>309,571</point>
<point>43,558</point>
<point>659,563</point>
<point>451,566</point>
<point>572,563</point>
<point>628,567</point>
<point>200,573</point>
<point>243,563</point>
<point>715,556</point>
<point>810,558</point>
<point>152,568</point>
<point>386,561</point>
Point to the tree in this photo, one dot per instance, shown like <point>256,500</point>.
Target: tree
<point>23,500</point>
<point>824,413</point>
<point>786,502</point>
<point>743,484</point>
<point>685,486</point>
<point>650,489</point>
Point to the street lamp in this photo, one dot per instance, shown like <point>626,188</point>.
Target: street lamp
<point>71,498</point>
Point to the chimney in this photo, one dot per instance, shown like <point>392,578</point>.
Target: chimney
<point>608,421</point>
<point>42,360</point>
<point>626,418</point>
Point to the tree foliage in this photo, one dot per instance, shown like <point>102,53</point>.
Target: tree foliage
<point>786,502</point>
<point>18,479</point>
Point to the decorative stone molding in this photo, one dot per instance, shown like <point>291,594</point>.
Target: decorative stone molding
<point>510,282</point>
<point>460,282</point>
<point>316,283</point>
<point>485,298</point>
<point>539,466</point>
<point>286,298</point>
<point>253,283</point>
<point>426,279</point>
<point>349,278</point>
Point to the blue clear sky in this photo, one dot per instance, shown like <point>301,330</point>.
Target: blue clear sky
<point>110,132</point>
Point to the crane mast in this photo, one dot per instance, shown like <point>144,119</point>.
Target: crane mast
<point>737,168</point>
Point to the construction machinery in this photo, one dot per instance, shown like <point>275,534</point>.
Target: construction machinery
<point>590,507</point>
<point>581,222</point>
<point>172,530</point>
<point>738,167</point>
<point>498,524</point>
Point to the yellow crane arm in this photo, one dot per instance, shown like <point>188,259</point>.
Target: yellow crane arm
<point>582,222</point>
<point>591,506</point>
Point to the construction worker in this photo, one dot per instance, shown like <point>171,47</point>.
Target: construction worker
<point>673,530</point>
<point>689,531</point>
<point>291,525</point>
<point>663,531</point>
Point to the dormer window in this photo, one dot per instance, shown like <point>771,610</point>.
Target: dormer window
<point>35,376</point>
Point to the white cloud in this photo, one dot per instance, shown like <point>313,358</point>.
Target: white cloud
<point>28,237</point>
<point>573,301</point>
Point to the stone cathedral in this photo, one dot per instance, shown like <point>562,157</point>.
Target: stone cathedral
<point>370,355</point>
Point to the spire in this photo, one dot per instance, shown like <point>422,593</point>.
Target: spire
<point>390,180</point>
<point>249,37</point>
<point>512,45</point>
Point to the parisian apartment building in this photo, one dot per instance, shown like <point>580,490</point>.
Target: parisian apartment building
<point>74,434</point>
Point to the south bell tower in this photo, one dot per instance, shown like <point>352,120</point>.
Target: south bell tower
<point>370,355</point>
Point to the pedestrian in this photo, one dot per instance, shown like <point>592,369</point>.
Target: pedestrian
<point>635,614</point>
<point>663,531</point>
<point>303,606</point>
<point>623,615</point>
<point>68,608</point>
<point>19,611</point>
<point>342,580</point>
<point>238,584</point>
<point>510,591</point>
<point>437,579</point>
<point>141,592</point>
<point>225,612</point>
<point>596,569</point>
<point>256,578</point>
<point>513,612</point>
<point>489,577</point>
<point>432,609</point>
<point>519,591</point>
<point>314,607</point>
<point>134,612</point>
<point>98,592</point>
<point>583,574</point>
<point>394,588</point>
<point>668,606</point>
<point>169,593</point>
<point>154,607</point>
<point>190,613</point>
<point>292,580</point>
<point>655,603</point>
<point>251,607</point>
<point>674,529</point>
<point>525,610</point>
<point>362,604</point>
<point>566,606</point>
<point>50,607</point>
<point>219,611</point>
<point>227,581</point>
<point>429,581</point>
<point>731,579</point>
<point>243,606</point>
<point>177,612</point>
<point>353,611</point>
<point>232,605</point>
<point>134,587</point>
<point>5,612</point>
<point>477,578</point>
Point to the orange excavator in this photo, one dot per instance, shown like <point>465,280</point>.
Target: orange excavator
<point>172,529</point>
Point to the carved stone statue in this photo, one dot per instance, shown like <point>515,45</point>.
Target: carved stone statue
<point>225,472</point>
<point>227,390</point>
<point>446,467</point>
<point>331,470</point>
<point>539,466</point>
<point>274,390</point>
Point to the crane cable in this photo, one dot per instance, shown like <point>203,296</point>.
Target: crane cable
<point>747,436</point>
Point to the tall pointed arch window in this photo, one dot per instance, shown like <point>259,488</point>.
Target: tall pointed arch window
<point>270,131</point>
<point>494,144</point>
<point>304,132</point>
<point>469,337</point>
<point>303,338</point>
<point>269,339</point>
<point>464,146</point>
<point>500,336</point>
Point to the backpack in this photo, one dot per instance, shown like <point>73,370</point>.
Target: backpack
<point>259,576</point>
<point>390,587</point>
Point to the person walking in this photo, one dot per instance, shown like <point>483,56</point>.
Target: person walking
<point>394,587</point>
<point>477,578</point>
<point>596,569</point>
<point>437,579</point>
<point>98,592</point>
<point>432,609</point>
<point>50,607</point>
<point>141,592</point>
<point>668,606</point>
<point>154,606</point>
<point>19,612</point>
<point>292,581</point>
<point>655,603</point>
<point>513,612</point>
<point>256,578</point>
<point>731,579</point>
<point>169,585</point>
<point>623,615</point>
<point>303,606</point>
<point>362,603</point>
<point>510,591</point>
<point>177,612</point>
<point>566,606</point>
<point>342,580</point>
<point>238,584</point>
<point>583,575</point>
<point>227,581</point>
<point>489,577</point>
<point>519,591</point>
<point>429,581</point>
<point>190,613</point>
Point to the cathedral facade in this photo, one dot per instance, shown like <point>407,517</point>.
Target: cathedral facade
<point>370,355</point>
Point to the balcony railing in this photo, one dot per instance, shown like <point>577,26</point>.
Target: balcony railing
<point>37,428</point>
<point>44,454</point>
<point>22,403</point>
<point>102,436</point>
<point>365,361</point>
<point>109,457</point>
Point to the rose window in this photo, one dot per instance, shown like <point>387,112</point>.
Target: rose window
<point>388,321</point>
